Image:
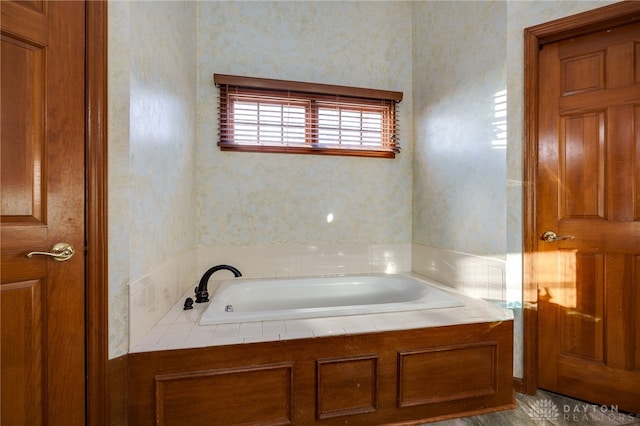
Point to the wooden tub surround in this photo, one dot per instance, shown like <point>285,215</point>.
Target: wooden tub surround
<point>370,369</point>
<point>389,377</point>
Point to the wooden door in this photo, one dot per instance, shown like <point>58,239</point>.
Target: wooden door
<point>42,203</point>
<point>588,190</point>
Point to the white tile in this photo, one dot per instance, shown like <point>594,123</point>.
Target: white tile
<point>138,300</point>
<point>357,324</point>
<point>226,340</point>
<point>495,276</point>
<point>175,335</point>
<point>139,284</point>
<point>320,332</point>
<point>177,314</point>
<point>387,326</point>
<point>146,348</point>
<point>265,338</point>
<point>273,327</point>
<point>226,331</point>
<point>298,326</point>
<point>250,329</point>
<point>442,317</point>
<point>153,336</point>
<point>180,328</point>
<point>495,292</point>
<point>303,334</point>
<point>474,312</point>
<point>198,339</point>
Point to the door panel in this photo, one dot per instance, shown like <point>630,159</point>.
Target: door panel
<point>42,203</point>
<point>582,326</point>
<point>582,163</point>
<point>23,107</point>
<point>588,188</point>
<point>21,305</point>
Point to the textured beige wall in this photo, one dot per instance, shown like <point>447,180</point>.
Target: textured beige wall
<point>249,199</point>
<point>152,120</point>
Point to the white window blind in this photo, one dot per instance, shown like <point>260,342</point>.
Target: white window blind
<point>283,116</point>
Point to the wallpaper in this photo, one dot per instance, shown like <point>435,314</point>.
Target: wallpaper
<point>249,199</point>
<point>118,158</point>
<point>162,132</point>
<point>152,69</point>
<point>459,164</point>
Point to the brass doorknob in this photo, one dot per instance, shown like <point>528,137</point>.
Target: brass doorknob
<point>550,237</point>
<point>60,252</point>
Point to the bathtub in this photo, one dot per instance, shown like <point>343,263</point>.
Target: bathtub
<point>236,301</point>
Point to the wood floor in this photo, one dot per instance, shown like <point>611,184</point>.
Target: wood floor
<point>549,409</point>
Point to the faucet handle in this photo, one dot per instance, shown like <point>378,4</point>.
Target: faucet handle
<point>201,296</point>
<point>188,304</point>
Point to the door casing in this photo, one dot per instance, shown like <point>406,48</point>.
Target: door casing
<point>96,281</point>
<point>535,37</point>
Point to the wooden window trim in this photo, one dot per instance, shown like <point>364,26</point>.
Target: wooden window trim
<point>315,96</point>
<point>297,86</point>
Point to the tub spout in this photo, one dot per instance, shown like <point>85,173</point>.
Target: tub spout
<point>202,295</point>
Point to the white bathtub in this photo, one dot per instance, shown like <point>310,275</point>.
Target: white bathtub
<point>291,298</point>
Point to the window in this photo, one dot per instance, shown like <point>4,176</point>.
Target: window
<point>264,115</point>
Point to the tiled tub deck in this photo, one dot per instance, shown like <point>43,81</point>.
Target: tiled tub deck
<point>179,329</point>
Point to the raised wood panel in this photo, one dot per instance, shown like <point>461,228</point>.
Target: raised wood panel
<point>622,312</point>
<point>23,19</point>
<point>582,165</point>
<point>35,5</point>
<point>636,79</point>
<point>13,263</point>
<point>615,387</point>
<point>583,73</point>
<point>21,374</point>
<point>346,386</point>
<point>620,65</point>
<point>621,151</point>
<point>117,394</point>
<point>22,130</point>
<point>636,286</point>
<point>581,306</point>
<point>435,375</point>
<point>259,394</point>
<point>636,172</point>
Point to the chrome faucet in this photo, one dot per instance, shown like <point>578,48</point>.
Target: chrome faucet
<point>202,295</point>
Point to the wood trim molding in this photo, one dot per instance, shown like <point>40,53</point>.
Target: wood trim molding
<point>118,391</point>
<point>97,297</point>
<point>331,374</point>
<point>475,355</point>
<point>269,386</point>
<point>587,22</point>
<point>534,38</point>
<point>297,86</point>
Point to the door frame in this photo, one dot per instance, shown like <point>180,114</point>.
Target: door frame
<point>534,38</point>
<point>96,195</point>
